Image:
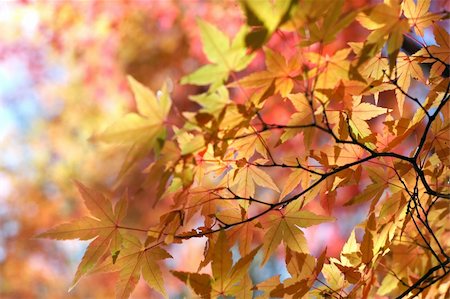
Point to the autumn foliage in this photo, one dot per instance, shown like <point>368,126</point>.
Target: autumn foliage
<point>309,113</point>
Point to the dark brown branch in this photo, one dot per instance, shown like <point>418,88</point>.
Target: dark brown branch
<point>430,272</point>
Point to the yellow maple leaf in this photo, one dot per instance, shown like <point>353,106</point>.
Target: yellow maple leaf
<point>247,177</point>
<point>103,226</point>
<point>225,56</point>
<point>418,16</point>
<point>329,70</point>
<point>406,69</point>
<point>441,51</point>
<point>302,116</point>
<point>285,226</point>
<point>136,259</point>
<point>387,26</point>
<point>361,112</point>
<point>226,279</point>
<point>280,72</point>
<point>247,146</point>
<point>141,130</point>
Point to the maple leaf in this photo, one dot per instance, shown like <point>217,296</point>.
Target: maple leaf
<point>247,146</point>
<point>350,260</point>
<point>440,51</point>
<point>284,225</point>
<point>418,16</point>
<point>199,283</point>
<point>360,113</point>
<point>188,142</point>
<point>280,72</point>
<point>441,140</point>
<point>386,24</point>
<point>304,270</point>
<point>226,279</point>
<point>350,254</point>
<point>302,116</point>
<point>168,154</point>
<point>331,22</point>
<point>246,178</point>
<point>328,71</point>
<point>267,286</point>
<point>103,226</point>
<point>297,177</point>
<point>212,101</point>
<point>140,131</point>
<point>397,131</point>
<point>367,244</point>
<point>243,233</point>
<point>374,67</point>
<point>335,279</point>
<point>207,165</point>
<point>224,57</point>
<point>135,260</point>
<point>407,68</point>
<point>264,17</point>
<point>373,191</point>
<point>388,284</point>
<point>344,153</point>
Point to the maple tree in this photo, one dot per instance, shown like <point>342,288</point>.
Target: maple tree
<point>238,175</point>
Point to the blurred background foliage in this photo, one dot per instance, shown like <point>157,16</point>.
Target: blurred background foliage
<point>63,67</point>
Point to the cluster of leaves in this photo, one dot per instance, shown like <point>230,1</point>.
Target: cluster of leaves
<point>353,120</point>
